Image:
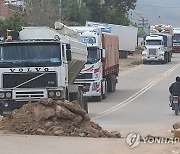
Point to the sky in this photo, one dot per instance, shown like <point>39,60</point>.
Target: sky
<point>158,12</point>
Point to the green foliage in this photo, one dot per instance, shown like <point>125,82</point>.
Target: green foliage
<point>14,22</point>
<point>70,12</point>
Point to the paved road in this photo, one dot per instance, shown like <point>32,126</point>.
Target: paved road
<point>139,104</point>
<point>141,100</point>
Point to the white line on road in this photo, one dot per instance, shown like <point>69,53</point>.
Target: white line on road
<point>136,95</point>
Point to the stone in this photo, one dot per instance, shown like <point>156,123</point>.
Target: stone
<point>176,125</point>
<point>86,117</point>
<point>75,108</point>
<point>58,133</point>
<point>48,124</point>
<point>40,131</point>
<point>116,134</point>
<point>47,101</point>
<point>63,113</point>
<point>43,113</point>
<point>78,118</point>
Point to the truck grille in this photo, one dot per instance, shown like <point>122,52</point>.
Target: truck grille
<point>152,52</point>
<point>85,76</point>
<point>29,80</point>
<point>29,95</point>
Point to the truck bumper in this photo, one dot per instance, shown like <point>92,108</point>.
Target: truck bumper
<point>24,96</point>
<point>7,106</point>
<point>92,88</point>
<point>153,59</point>
<point>176,49</point>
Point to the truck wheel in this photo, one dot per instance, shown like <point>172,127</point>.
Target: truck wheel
<point>111,83</point>
<point>165,58</point>
<point>105,92</point>
<point>176,109</point>
<point>169,60</point>
<point>114,83</point>
<point>85,104</point>
<point>80,97</point>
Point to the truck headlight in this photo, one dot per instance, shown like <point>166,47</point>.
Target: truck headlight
<point>5,95</point>
<point>55,94</point>
<point>9,95</point>
<point>58,93</point>
<point>94,86</point>
<point>2,95</point>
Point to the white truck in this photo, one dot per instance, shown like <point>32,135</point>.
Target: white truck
<point>99,74</point>
<point>43,63</point>
<point>128,39</point>
<point>176,39</point>
<point>158,45</point>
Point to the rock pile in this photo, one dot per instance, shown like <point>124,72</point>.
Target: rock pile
<point>50,117</point>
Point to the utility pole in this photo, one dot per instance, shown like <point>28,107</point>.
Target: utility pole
<point>143,24</point>
<point>60,10</point>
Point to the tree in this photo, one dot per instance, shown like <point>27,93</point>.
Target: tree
<point>75,13</point>
<point>14,22</point>
<point>111,11</point>
<point>42,12</point>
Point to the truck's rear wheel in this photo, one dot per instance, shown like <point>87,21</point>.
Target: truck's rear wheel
<point>111,83</point>
<point>104,95</point>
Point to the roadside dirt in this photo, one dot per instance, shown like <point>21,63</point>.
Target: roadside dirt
<point>57,118</point>
<point>130,62</point>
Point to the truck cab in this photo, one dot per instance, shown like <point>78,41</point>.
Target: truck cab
<point>157,48</point>
<point>91,76</point>
<point>43,63</point>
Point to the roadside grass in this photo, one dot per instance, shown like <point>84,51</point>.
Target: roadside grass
<point>138,62</point>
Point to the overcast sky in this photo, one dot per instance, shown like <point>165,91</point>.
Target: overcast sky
<point>158,11</point>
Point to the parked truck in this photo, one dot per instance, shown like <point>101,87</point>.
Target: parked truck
<point>158,45</point>
<point>43,63</point>
<point>176,40</point>
<point>127,36</point>
<point>100,72</point>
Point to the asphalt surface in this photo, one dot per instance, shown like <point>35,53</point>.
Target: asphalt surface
<point>139,104</point>
<point>141,100</point>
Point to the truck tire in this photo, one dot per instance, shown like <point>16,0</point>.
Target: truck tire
<point>169,58</point>
<point>97,98</point>
<point>85,104</point>
<point>106,91</point>
<point>165,58</point>
<point>111,83</point>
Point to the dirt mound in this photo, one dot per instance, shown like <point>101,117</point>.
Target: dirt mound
<point>49,117</point>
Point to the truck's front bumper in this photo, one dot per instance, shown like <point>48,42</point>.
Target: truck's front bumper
<point>153,59</point>
<point>7,106</point>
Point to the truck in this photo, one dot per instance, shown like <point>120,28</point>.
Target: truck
<point>43,63</point>
<point>176,39</point>
<point>128,36</point>
<point>99,74</point>
<point>158,45</point>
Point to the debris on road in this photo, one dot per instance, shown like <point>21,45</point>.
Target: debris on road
<point>57,118</point>
<point>176,130</point>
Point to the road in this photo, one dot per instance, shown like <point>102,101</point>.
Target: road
<point>139,104</point>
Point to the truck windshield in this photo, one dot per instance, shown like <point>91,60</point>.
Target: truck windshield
<point>30,54</point>
<point>93,55</point>
<point>153,42</point>
<point>176,38</point>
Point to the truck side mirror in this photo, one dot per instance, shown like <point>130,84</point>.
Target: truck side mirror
<point>68,52</point>
<point>103,55</point>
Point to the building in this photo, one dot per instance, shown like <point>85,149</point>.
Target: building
<point>7,7</point>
